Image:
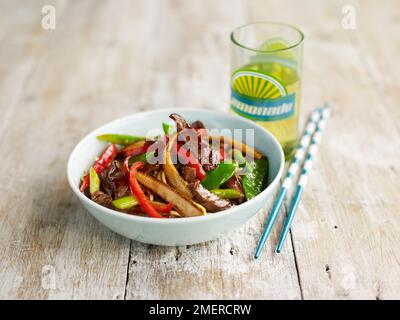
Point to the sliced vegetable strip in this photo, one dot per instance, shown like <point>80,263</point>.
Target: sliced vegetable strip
<point>106,157</point>
<point>122,139</point>
<point>244,148</point>
<point>94,185</point>
<point>222,153</point>
<point>135,149</point>
<point>227,193</point>
<point>172,174</point>
<point>138,192</point>
<point>126,165</point>
<point>162,207</point>
<point>125,202</point>
<point>131,201</point>
<point>185,206</point>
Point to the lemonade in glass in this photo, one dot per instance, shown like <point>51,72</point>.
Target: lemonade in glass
<point>266,77</point>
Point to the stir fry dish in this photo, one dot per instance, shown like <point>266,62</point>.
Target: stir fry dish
<point>184,172</point>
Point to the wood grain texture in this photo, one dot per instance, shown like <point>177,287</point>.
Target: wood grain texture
<point>107,59</point>
<point>345,231</point>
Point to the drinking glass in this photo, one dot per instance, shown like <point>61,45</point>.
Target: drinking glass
<point>266,61</point>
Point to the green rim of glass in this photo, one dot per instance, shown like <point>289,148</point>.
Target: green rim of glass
<point>298,43</point>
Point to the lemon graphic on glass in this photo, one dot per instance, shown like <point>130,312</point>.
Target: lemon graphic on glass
<point>266,90</point>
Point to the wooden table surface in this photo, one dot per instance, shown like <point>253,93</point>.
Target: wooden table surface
<point>108,59</point>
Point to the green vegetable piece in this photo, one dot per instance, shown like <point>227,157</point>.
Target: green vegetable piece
<point>168,129</point>
<point>122,139</point>
<point>125,202</point>
<point>218,176</point>
<point>238,157</point>
<point>145,157</point>
<point>256,180</point>
<point>94,181</point>
<point>227,193</point>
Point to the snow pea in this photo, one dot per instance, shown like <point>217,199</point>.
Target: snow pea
<point>122,139</point>
<point>227,193</point>
<point>218,176</point>
<point>256,179</point>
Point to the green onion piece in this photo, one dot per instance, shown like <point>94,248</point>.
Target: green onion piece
<point>94,181</point>
<point>227,193</point>
<point>125,202</point>
<point>122,139</point>
<point>168,129</point>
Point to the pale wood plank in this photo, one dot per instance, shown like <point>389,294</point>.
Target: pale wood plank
<point>192,70</point>
<point>346,230</point>
<point>85,79</point>
<point>23,44</point>
<point>378,27</point>
<point>169,53</point>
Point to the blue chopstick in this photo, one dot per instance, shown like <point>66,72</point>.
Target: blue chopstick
<point>297,159</point>
<point>303,177</point>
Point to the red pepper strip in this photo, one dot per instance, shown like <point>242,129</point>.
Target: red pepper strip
<point>133,150</point>
<point>165,208</point>
<point>138,192</point>
<point>106,157</point>
<point>85,183</point>
<point>126,165</point>
<point>222,153</point>
<point>192,162</point>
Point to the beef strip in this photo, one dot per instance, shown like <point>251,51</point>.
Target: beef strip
<point>189,173</point>
<point>115,171</point>
<point>106,185</point>
<point>113,181</point>
<point>198,125</point>
<point>151,168</point>
<point>207,199</point>
<point>121,188</point>
<point>102,199</point>
<point>208,158</point>
<point>234,183</point>
<point>181,123</point>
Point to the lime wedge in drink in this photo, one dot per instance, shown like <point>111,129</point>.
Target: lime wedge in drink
<point>257,85</point>
<point>274,45</point>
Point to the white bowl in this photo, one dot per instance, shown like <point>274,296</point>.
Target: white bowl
<point>181,231</point>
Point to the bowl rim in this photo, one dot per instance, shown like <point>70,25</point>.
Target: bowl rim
<point>210,216</point>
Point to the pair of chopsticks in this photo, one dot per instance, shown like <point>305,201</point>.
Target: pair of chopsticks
<point>310,140</point>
